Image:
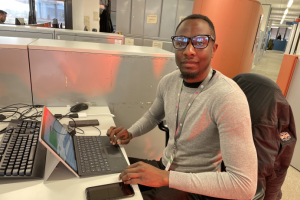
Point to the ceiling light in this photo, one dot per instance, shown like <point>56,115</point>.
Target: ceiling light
<point>290,3</point>
<point>281,21</point>
<point>286,11</point>
<point>274,27</point>
<point>283,16</point>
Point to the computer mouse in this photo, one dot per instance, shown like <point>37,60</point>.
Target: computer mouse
<point>79,107</point>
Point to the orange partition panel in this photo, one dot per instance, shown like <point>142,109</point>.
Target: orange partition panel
<point>236,23</point>
<point>286,72</point>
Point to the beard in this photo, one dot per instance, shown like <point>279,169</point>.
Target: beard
<point>188,75</point>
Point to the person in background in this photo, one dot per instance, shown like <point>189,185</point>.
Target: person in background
<point>2,16</point>
<point>279,36</point>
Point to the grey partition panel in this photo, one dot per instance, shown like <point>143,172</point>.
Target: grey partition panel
<point>166,45</point>
<point>137,17</point>
<point>123,16</point>
<point>185,8</point>
<point>63,78</point>
<point>153,7</point>
<point>9,33</point>
<point>65,37</point>
<point>94,39</point>
<point>136,41</point>
<point>14,77</point>
<point>167,26</point>
<point>293,97</point>
<point>25,34</point>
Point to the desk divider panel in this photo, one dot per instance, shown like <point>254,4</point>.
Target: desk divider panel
<point>26,31</point>
<point>85,36</point>
<point>123,77</point>
<point>14,71</point>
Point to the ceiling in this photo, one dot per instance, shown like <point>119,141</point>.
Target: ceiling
<point>278,8</point>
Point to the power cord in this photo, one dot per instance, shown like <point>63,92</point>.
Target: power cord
<point>98,130</point>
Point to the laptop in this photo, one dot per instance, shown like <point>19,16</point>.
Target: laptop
<point>83,155</point>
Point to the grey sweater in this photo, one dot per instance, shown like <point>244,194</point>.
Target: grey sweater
<point>217,127</point>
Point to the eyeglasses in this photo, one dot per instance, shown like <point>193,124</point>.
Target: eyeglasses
<point>198,41</point>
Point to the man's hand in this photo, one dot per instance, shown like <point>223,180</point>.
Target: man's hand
<point>120,134</point>
<point>145,174</point>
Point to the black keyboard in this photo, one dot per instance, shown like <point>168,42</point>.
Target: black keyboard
<point>92,155</point>
<point>21,155</point>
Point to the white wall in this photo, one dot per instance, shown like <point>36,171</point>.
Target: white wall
<point>91,7</point>
<point>77,12</point>
<point>82,9</point>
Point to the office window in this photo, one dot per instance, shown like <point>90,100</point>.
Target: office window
<point>274,33</point>
<point>287,35</point>
<point>47,10</point>
<point>15,9</point>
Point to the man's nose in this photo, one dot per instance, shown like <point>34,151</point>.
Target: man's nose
<point>189,50</point>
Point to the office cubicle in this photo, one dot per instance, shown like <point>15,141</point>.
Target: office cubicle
<point>14,71</point>
<point>123,77</point>
<point>87,36</point>
<point>26,31</point>
<point>159,43</point>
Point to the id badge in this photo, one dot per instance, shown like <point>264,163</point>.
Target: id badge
<point>169,163</point>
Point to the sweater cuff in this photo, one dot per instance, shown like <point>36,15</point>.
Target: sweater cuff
<point>134,131</point>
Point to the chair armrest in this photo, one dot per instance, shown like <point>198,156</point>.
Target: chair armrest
<point>164,128</point>
<point>260,193</point>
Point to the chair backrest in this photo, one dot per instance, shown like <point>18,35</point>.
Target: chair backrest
<point>273,128</point>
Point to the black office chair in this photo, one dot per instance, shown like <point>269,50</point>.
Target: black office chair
<point>271,115</point>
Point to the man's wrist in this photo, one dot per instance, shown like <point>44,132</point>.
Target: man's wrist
<point>166,178</point>
<point>130,136</point>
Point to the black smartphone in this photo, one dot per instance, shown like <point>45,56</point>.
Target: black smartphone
<point>110,191</point>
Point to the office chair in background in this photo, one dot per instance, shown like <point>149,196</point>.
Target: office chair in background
<point>273,130</point>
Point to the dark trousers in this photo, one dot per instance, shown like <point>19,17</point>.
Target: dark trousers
<point>165,193</point>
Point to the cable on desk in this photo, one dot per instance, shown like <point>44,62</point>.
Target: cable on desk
<point>98,130</point>
<point>67,130</point>
<point>14,108</point>
<point>81,130</point>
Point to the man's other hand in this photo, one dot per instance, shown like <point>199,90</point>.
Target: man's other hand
<point>145,174</point>
<point>118,135</point>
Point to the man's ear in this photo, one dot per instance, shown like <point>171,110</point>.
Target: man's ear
<point>214,49</point>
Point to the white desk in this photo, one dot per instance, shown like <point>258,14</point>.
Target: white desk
<point>62,184</point>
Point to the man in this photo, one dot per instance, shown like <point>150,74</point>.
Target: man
<point>211,118</point>
<point>2,16</point>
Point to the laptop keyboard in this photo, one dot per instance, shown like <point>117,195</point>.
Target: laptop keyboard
<point>92,155</point>
<point>18,148</point>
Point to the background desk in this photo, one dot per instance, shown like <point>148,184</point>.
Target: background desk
<point>62,184</point>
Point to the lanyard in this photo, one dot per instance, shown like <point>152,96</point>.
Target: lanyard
<point>188,106</point>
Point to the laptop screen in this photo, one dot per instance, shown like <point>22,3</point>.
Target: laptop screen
<point>56,136</point>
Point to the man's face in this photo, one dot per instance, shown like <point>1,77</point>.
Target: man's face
<point>194,63</point>
<point>3,17</point>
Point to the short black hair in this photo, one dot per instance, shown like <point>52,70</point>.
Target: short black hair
<point>203,17</point>
<point>2,12</point>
